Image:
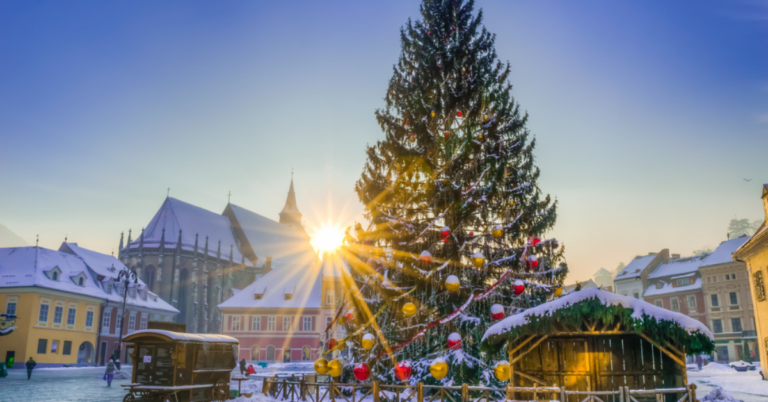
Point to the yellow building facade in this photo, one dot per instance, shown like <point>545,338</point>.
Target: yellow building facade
<point>755,254</point>
<point>52,327</point>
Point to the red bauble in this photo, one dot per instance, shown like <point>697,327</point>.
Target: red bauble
<point>531,262</point>
<point>447,134</point>
<point>426,257</point>
<point>518,287</point>
<point>535,241</point>
<point>497,312</point>
<point>459,114</point>
<point>444,233</point>
<point>403,370</point>
<point>454,341</point>
<point>362,371</point>
<point>350,316</point>
<point>471,234</point>
<point>331,343</point>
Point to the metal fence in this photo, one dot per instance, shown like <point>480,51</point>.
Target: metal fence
<point>294,390</point>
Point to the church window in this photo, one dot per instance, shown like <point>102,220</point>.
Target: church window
<point>759,286</point>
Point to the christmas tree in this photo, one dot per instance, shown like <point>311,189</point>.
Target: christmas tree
<point>456,216</point>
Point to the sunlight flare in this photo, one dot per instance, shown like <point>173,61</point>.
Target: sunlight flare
<point>327,237</point>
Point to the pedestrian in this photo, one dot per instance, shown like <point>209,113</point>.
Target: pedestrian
<point>251,370</point>
<point>109,374</point>
<point>699,361</point>
<point>30,365</point>
<point>242,367</point>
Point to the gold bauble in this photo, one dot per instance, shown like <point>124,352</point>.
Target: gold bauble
<point>478,259</point>
<point>452,283</point>
<point>558,291</point>
<point>439,370</point>
<point>412,139</point>
<point>511,203</point>
<point>334,368</point>
<point>485,118</point>
<point>502,371</point>
<point>409,309</point>
<point>479,137</point>
<point>321,366</point>
<point>369,341</point>
<point>433,114</point>
<point>497,231</point>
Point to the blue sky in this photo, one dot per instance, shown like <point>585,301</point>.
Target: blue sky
<point>648,114</point>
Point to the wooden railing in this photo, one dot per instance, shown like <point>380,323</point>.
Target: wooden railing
<point>301,390</point>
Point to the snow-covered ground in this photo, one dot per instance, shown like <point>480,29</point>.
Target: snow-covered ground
<point>747,386</point>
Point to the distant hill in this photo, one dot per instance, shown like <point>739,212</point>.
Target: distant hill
<point>10,239</point>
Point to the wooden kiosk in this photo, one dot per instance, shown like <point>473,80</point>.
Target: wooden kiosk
<point>594,340</point>
<point>180,367</point>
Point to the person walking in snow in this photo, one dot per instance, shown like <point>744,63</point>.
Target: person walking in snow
<point>699,361</point>
<point>242,367</point>
<point>110,372</point>
<point>30,365</point>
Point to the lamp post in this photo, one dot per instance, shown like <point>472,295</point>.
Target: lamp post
<point>125,277</point>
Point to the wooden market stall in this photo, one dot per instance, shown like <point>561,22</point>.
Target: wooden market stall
<point>594,340</point>
<point>180,367</point>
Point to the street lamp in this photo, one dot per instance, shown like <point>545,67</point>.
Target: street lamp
<point>125,277</point>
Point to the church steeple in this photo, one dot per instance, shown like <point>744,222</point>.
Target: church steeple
<point>290,214</point>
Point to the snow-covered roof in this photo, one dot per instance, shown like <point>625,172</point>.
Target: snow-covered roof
<point>602,271</point>
<point>303,281</point>
<point>175,215</point>
<point>679,266</point>
<point>27,266</point>
<point>268,238</point>
<point>584,285</point>
<point>635,267</point>
<point>639,307</point>
<point>179,336</point>
<point>724,252</point>
<point>667,288</point>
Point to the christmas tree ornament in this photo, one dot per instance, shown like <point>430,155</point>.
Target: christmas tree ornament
<point>497,231</point>
<point>433,114</point>
<point>454,341</point>
<point>471,234</point>
<point>409,309</point>
<point>497,312</point>
<point>407,123</point>
<point>412,138</point>
<point>332,343</point>
<point>502,371</point>
<point>321,366</point>
<point>452,283</point>
<point>531,262</point>
<point>479,137</point>
<point>362,371</point>
<point>423,205</point>
<point>558,291</point>
<point>403,370</point>
<point>444,233</point>
<point>342,320</point>
<point>485,118</point>
<point>438,369</point>
<point>425,257</point>
<point>369,341</point>
<point>377,252</point>
<point>459,114</point>
<point>447,134</point>
<point>511,203</point>
<point>535,241</point>
<point>334,368</point>
<point>350,316</point>
<point>478,259</point>
<point>518,287</point>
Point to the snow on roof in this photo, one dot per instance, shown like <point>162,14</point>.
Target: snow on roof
<point>268,238</point>
<point>724,252</point>
<point>27,266</point>
<point>639,308</point>
<point>180,336</point>
<point>175,215</point>
<point>667,288</point>
<point>304,280</point>
<point>584,285</point>
<point>602,271</point>
<point>635,267</point>
<point>679,266</point>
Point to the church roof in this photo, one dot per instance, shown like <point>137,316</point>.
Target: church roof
<point>290,202</point>
<point>175,215</point>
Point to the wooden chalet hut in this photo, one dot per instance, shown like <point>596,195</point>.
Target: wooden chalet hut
<point>594,340</point>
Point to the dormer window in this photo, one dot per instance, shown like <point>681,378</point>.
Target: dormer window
<point>79,279</point>
<point>659,285</point>
<point>258,296</point>
<point>53,274</point>
<point>288,296</point>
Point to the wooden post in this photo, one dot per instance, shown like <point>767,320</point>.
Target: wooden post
<point>511,395</point>
<point>332,389</point>
<point>509,392</point>
<point>375,391</point>
<point>285,389</point>
<point>464,392</point>
<point>420,392</point>
<point>563,397</point>
<point>691,393</point>
<point>302,388</point>
<point>621,394</point>
<point>264,388</point>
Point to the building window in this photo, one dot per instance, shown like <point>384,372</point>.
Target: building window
<point>675,305</point>
<point>759,287</point>
<point>43,316</point>
<point>55,276</point>
<point>735,324</point>
<point>255,323</point>
<point>271,327</point>
<point>288,296</point>
<point>636,295</point>
<point>71,316</point>
<point>54,346</point>
<point>659,303</point>
<point>734,298</point>
<point>236,323</point>
<point>683,281</point>
<point>58,311</point>
<point>691,302</point>
<point>717,326</point>
<point>119,321</point>
<point>715,302</point>
<point>306,324</point>
<point>131,323</point>
<point>270,352</point>
<point>106,320</point>
<point>287,323</point>
<point>89,319</point>
<point>42,346</point>
<point>306,353</point>
<point>10,308</point>
<point>255,353</point>
<point>143,322</point>
<point>67,348</point>
<point>329,298</point>
<point>81,281</point>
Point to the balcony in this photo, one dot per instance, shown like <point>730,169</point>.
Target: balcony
<point>752,334</point>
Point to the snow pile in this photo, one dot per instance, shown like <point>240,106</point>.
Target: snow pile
<point>717,368</point>
<point>718,395</point>
<point>639,308</point>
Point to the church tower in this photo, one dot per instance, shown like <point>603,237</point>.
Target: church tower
<point>290,215</point>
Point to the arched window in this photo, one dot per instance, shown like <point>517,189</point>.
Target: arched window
<point>271,353</point>
<point>149,278</point>
<point>255,353</point>
<point>306,354</point>
<point>55,276</point>
<point>287,355</point>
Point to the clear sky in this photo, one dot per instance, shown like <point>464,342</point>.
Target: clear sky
<point>649,114</point>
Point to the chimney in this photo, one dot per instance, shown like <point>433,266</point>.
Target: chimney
<point>269,264</point>
<point>675,256</point>
<point>651,253</point>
